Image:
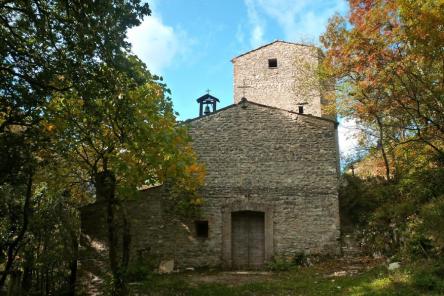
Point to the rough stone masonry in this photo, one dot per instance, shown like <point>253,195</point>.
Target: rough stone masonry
<point>271,184</point>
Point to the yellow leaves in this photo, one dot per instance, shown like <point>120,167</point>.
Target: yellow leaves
<point>197,201</point>
<point>158,90</point>
<point>132,128</point>
<point>49,127</point>
<point>196,171</point>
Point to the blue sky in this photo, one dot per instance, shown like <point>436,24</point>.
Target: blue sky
<point>191,43</point>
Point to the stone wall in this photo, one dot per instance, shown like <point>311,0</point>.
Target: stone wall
<point>282,160</point>
<point>294,82</point>
<point>257,158</point>
<point>156,233</point>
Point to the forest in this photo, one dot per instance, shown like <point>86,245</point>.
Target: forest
<point>82,118</point>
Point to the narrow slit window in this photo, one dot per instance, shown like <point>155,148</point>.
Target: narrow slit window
<point>301,109</point>
<point>272,63</point>
<point>201,228</point>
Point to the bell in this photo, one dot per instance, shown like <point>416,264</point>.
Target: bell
<point>209,102</point>
<point>207,110</point>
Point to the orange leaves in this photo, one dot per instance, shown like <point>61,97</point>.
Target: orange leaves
<point>50,127</point>
<point>197,171</point>
<point>389,58</point>
<point>364,84</point>
<point>361,109</point>
<point>364,54</point>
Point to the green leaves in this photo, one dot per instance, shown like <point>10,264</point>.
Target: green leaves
<point>64,111</point>
<point>75,103</point>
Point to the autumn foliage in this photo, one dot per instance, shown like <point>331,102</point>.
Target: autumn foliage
<point>81,119</point>
<point>388,59</point>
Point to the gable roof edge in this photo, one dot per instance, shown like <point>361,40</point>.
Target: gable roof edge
<point>261,105</point>
<point>292,112</point>
<point>265,45</point>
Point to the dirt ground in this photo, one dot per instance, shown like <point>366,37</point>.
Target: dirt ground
<point>328,269</point>
<point>230,278</point>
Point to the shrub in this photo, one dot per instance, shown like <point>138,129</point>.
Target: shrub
<point>280,264</point>
<point>429,279</point>
<point>141,268</point>
<point>425,281</point>
<point>432,225</point>
<point>287,263</point>
<point>138,272</point>
<point>300,259</point>
<point>397,218</point>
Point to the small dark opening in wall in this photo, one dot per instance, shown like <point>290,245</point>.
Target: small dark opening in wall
<point>201,229</point>
<point>272,63</point>
<point>301,109</point>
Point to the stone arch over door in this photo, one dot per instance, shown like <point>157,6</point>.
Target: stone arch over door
<point>227,242</point>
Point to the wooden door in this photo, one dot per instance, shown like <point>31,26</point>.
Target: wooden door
<point>247,239</point>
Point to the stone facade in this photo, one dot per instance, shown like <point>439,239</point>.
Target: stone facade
<point>293,83</point>
<point>259,159</point>
<point>282,162</point>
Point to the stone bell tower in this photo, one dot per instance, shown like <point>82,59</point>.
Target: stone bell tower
<point>280,74</point>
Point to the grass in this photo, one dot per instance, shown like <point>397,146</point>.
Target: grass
<point>416,279</point>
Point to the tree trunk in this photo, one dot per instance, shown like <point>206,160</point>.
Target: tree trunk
<point>46,281</point>
<point>28,268</point>
<point>105,183</point>
<point>384,154</point>
<point>73,263</point>
<point>14,283</point>
<point>126,240</point>
<point>15,244</point>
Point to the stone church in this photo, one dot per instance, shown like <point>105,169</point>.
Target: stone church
<point>272,174</point>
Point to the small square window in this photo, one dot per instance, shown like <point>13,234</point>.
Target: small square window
<point>301,109</point>
<point>201,229</point>
<point>272,63</point>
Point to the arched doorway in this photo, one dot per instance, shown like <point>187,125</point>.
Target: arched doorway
<point>247,239</point>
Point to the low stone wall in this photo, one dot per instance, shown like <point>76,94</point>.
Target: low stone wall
<point>156,235</point>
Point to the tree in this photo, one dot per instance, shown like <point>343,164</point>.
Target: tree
<point>126,138</point>
<point>388,59</point>
<point>57,45</point>
<point>75,101</point>
<point>47,47</point>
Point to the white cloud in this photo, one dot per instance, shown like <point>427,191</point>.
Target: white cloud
<point>157,44</point>
<point>301,20</point>
<point>348,137</point>
<point>256,23</point>
<point>240,37</point>
<point>257,36</point>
